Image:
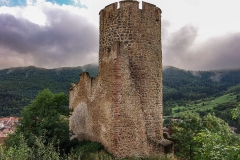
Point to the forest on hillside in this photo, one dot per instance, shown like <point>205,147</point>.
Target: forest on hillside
<point>18,86</point>
<point>182,90</point>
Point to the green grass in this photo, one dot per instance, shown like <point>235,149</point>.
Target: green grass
<point>202,105</point>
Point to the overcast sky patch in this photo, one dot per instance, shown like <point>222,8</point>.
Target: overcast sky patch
<point>63,42</point>
<point>196,35</point>
<point>216,53</point>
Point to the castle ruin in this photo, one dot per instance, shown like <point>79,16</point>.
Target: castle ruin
<point>122,107</point>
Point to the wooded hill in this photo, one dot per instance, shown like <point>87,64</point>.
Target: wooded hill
<point>18,86</point>
<point>192,85</point>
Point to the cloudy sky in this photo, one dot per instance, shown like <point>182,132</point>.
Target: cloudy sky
<point>196,34</point>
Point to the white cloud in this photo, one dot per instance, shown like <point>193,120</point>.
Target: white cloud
<point>46,35</point>
<point>34,14</point>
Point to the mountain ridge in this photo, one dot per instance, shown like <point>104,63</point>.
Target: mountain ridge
<point>19,85</point>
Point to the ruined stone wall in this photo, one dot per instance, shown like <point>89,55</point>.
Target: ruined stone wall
<point>122,107</point>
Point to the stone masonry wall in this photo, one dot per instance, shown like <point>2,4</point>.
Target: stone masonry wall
<point>122,107</point>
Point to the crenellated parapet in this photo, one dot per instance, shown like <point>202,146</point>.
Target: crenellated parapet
<point>129,5</point>
<point>128,24</point>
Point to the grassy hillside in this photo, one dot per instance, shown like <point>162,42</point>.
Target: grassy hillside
<point>204,104</point>
<point>220,106</point>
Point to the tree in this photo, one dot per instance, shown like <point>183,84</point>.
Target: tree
<point>184,131</point>
<point>204,138</point>
<point>236,112</point>
<point>217,141</point>
<point>45,116</point>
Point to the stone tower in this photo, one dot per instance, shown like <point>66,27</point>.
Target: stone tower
<point>122,106</point>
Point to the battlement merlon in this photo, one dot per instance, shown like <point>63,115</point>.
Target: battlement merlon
<point>123,4</point>
<point>150,7</point>
<point>110,8</point>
